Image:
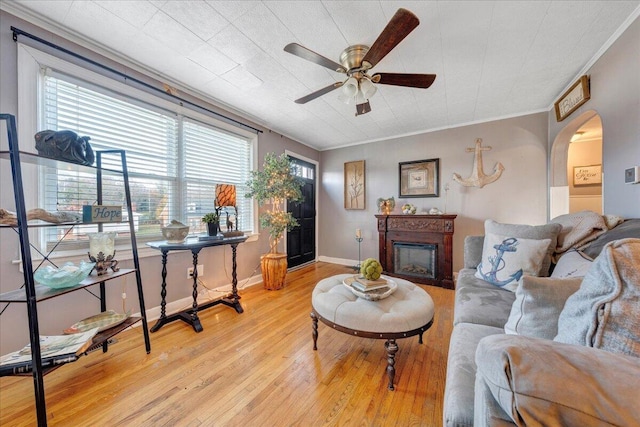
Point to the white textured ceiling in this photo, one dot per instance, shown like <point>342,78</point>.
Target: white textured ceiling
<point>493,59</point>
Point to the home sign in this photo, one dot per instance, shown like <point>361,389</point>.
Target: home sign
<point>101,213</point>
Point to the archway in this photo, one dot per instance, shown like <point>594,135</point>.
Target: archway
<point>563,195</point>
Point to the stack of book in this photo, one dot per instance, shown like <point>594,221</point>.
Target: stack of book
<point>364,285</point>
<point>55,350</point>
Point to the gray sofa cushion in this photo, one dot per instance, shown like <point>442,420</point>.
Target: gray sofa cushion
<point>473,251</point>
<point>461,372</point>
<point>605,312</point>
<point>477,301</point>
<point>629,228</point>
<point>544,383</point>
<point>539,302</point>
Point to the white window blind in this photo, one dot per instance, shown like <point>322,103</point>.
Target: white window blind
<point>212,156</point>
<point>173,162</point>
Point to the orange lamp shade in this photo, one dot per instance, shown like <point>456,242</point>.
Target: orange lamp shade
<point>225,195</point>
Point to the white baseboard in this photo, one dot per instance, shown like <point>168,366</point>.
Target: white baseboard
<point>340,261</point>
<point>204,296</point>
<point>216,293</point>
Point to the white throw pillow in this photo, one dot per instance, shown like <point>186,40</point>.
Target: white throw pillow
<point>572,264</point>
<point>539,302</point>
<point>506,259</point>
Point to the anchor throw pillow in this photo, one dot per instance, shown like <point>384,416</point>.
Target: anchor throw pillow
<point>505,259</point>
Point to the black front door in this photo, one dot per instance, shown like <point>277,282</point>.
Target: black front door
<point>301,241</point>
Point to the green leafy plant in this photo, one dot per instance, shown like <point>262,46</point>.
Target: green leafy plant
<point>211,217</point>
<point>273,185</point>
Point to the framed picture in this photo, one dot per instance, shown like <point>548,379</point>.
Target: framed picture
<point>578,94</point>
<point>420,178</point>
<point>587,175</point>
<point>354,185</point>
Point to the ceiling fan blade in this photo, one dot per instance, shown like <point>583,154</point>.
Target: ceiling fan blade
<point>399,27</point>
<point>410,80</point>
<point>318,93</point>
<point>309,55</point>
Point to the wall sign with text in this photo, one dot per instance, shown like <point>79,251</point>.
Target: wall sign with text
<point>587,175</point>
<point>578,94</point>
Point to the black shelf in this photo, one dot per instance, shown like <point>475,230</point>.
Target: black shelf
<point>100,340</point>
<point>42,224</point>
<point>38,160</point>
<point>44,292</point>
<point>31,293</point>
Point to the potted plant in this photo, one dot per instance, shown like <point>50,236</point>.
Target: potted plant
<point>275,184</point>
<point>212,219</point>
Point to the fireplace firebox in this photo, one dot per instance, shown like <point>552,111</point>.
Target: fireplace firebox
<point>415,259</point>
<point>417,248</point>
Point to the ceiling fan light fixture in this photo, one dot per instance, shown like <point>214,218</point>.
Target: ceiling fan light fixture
<point>345,98</point>
<point>350,87</point>
<point>367,88</point>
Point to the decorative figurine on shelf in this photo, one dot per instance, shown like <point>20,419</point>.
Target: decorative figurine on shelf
<point>57,217</point>
<point>386,205</point>
<point>65,145</point>
<point>408,209</point>
<point>102,251</point>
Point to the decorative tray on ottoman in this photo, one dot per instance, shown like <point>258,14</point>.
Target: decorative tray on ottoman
<point>372,290</point>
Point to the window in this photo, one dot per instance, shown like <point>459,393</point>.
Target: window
<point>174,161</point>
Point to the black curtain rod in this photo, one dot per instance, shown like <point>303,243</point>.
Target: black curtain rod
<point>17,32</point>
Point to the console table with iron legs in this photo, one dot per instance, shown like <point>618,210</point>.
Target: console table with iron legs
<point>190,315</point>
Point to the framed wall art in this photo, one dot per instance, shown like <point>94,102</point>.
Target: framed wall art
<point>354,185</point>
<point>587,175</point>
<point>578,94</point>
<point>420,178</point>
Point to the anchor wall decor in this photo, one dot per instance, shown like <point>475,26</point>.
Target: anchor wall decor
<point>478,178</point>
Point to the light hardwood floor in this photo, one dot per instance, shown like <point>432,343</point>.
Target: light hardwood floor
<point>252,369</point>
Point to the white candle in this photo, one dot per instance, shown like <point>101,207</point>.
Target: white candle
<point>358,233</point>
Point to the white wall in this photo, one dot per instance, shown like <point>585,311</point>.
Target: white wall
<point>519,196</point>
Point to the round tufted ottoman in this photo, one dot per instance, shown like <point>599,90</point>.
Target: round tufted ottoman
<point>405,313</point>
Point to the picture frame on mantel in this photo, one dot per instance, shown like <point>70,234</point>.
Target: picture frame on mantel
<point>354,185</point>
<point>573,98</point>
<point>419,178</point>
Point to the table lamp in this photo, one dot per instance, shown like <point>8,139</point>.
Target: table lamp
<point>226,197</point>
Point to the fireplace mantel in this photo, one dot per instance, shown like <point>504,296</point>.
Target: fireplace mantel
<point>418,232</point>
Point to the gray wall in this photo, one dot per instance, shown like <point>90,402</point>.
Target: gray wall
<point>59,313</point>
<point>519,196</point>
<point>522,144</point>
<point>615,96</point>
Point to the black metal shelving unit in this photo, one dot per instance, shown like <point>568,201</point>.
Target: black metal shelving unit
<point>31,293</point>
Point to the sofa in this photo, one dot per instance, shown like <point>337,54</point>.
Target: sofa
<point>517,355</point>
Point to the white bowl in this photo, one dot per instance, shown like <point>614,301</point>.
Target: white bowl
<point>175,232</point>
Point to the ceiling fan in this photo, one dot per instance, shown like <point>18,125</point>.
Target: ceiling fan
<point>357,60</point>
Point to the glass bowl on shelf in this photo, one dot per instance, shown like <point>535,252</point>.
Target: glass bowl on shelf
<point>67,276</point>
